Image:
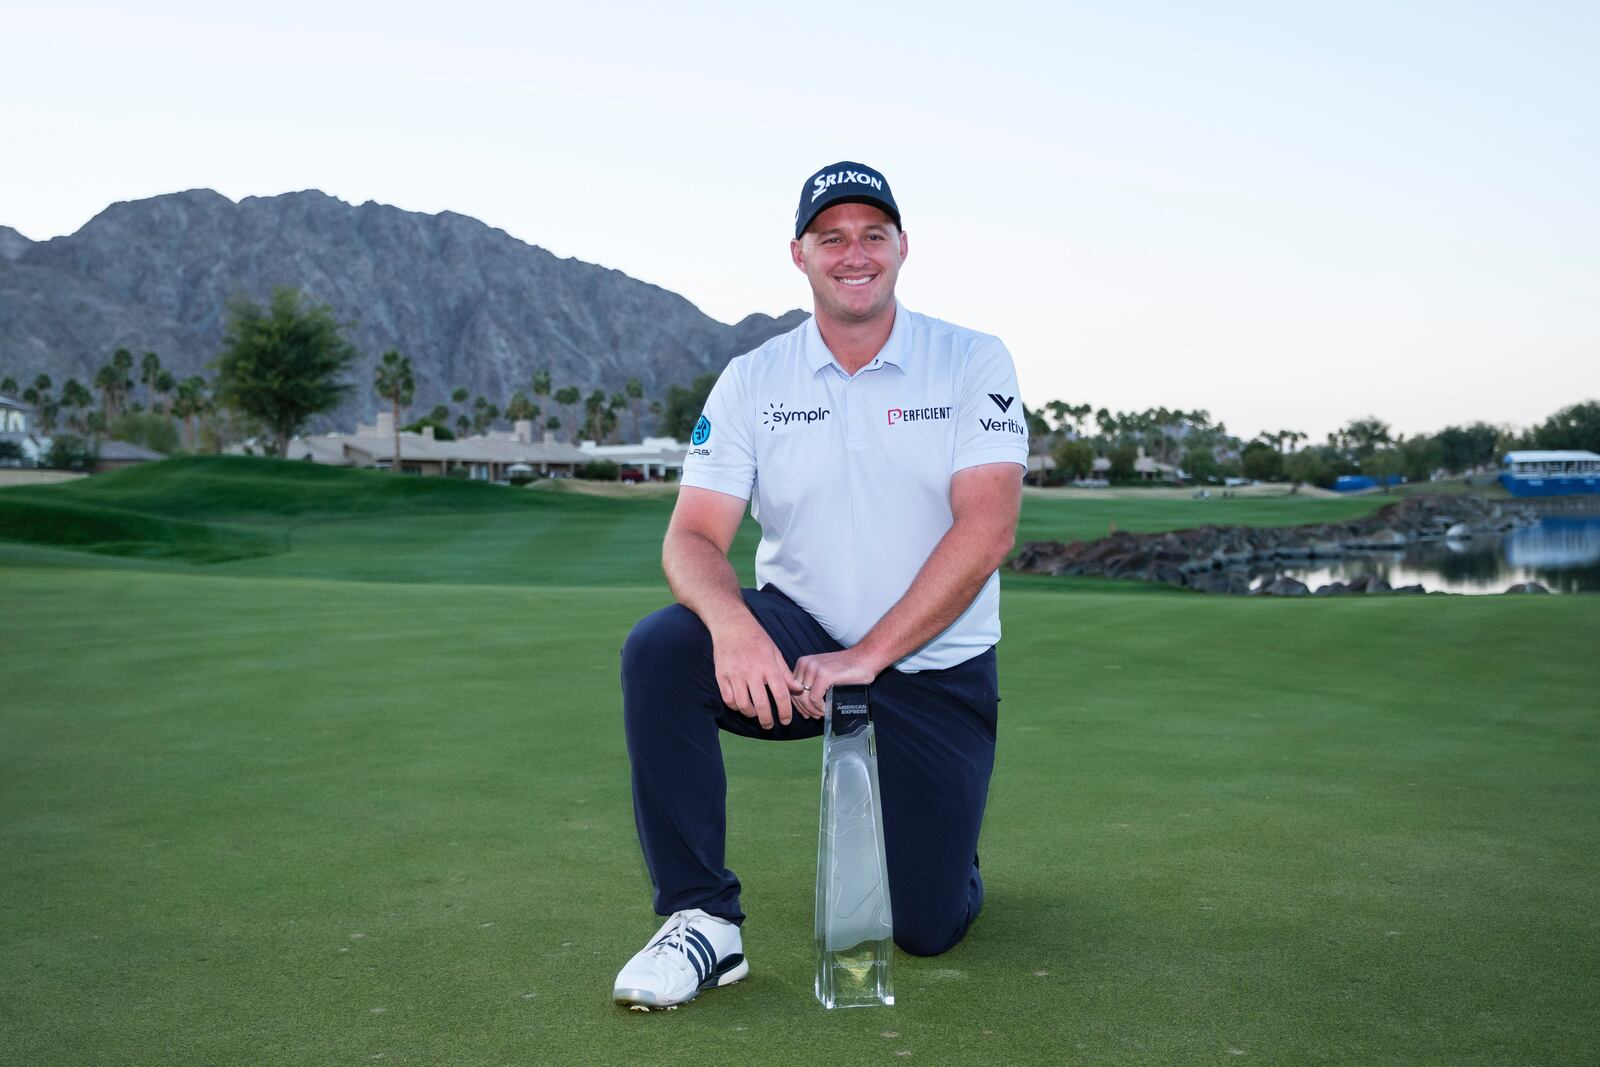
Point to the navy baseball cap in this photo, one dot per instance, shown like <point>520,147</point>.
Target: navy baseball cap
<point>843,183</point>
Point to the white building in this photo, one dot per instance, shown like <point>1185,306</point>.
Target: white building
<point>655,457</point>
<point>484,457</point>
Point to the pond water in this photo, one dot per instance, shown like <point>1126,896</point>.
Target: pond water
<point>1562,553</point>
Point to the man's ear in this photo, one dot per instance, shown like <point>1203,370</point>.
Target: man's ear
<point>796,255</point>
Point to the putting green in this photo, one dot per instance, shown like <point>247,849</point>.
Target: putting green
<point>253,812</point>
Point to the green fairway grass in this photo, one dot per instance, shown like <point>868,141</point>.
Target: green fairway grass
<point>363,798</point>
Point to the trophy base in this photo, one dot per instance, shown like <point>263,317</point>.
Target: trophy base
<point>856,977</point>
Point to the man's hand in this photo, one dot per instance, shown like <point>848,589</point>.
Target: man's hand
<point>816,674</point>
<point>695,558</point>
<point>749,666</point>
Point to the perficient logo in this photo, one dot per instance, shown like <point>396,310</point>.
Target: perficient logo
<point>899,415</point>
<point>777,415</point>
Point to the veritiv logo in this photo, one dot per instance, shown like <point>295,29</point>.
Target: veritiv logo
<point>1002,402</point>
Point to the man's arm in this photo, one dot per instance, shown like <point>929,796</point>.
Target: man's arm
<point>984,502</point>
<point>695,558</point>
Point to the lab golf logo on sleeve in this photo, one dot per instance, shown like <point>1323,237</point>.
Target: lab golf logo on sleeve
<point>702,432</point>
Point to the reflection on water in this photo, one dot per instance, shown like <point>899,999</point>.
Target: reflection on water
<point>1563,553</point>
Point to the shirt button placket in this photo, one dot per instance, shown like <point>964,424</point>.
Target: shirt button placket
<point>855,416</point>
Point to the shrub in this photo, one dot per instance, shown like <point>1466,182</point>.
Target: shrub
<point>1122,458</point>
<point>441,432</point>
<point>599,470</point>
<point>71,453</point>
<point>1074,459</point>
<point>156,432</point>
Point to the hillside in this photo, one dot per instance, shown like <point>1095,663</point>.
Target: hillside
<point>470,305</point>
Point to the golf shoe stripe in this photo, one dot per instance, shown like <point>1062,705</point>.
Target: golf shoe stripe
<point>699,941</point>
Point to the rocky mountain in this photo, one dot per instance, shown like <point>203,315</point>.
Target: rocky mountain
<point>469,304</point>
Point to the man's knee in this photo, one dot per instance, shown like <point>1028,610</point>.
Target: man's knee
<point>929,936</point>
<point>662,641</point>
<point>927,927</point>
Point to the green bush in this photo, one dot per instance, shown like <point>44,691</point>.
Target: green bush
<point>71,453</point>
<point>156,432</point>
<point>600,470</point>
<point>1307,466</point>
<point>1261,462</point>
<point>1201,465</point>
<point>1122,458</point>
<point>1074,459</point>
<point>441,432</point>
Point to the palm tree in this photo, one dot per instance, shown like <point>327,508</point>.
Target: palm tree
<point>1058,410</point>
<point>483,414</point>
<point>520,407</point>
<point>44,405</point>
<point>8,386</point>
<point>541,382</point>
<point>593,404</point>
<point>394,382</point>
<point>568,397</point>
<point>113,383</point>
<point>163,386</point>
<point>122,363</point>
<point>190,402</point>
<point>75,396</point>
<point>617,402</point>
<point>635,390</point>
<point>106,380</point>
<point>149,369</point>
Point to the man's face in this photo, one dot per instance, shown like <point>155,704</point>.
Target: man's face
<point>852,255</point>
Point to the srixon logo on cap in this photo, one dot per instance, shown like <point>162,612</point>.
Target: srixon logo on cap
<point>821,182</point>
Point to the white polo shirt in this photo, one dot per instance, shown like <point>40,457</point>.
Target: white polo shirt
<point>849,477</point>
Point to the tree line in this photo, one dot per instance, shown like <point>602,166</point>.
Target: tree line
<point>281,364</point>
<point>286,361</point>
<point>1074,436</point>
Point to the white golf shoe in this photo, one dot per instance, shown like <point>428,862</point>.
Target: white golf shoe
<point>693,951</point>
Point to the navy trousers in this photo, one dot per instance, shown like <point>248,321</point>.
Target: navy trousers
<point>935,737</point>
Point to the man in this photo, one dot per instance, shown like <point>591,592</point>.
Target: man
<point>882,453</point>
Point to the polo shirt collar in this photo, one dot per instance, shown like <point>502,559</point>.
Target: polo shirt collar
<point>891,354</point>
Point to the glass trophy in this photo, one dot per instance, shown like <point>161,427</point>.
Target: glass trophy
<point>854,926</point>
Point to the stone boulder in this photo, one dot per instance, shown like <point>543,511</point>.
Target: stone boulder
<point>1528,587</point>
<point>1369,583</point>
<point>1282,587</point>
<point>1381,540</point>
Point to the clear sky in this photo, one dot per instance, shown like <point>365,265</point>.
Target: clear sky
<point>1287,214</point>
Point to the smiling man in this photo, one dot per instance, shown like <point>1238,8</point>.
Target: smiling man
<point>882,454</point>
